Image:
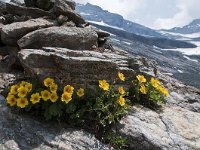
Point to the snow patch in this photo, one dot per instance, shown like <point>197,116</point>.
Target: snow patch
<point>128,43</point>
<point>180,71</point>
<point>104,24</point>
<point>188,58</point>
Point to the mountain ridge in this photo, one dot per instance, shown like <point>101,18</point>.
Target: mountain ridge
<point>95,13</point>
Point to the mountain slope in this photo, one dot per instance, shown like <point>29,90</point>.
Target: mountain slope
<point>193,27</point>
<point>95,13</point>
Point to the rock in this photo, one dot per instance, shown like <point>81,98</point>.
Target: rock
<point>11,33</point>
<point>62,19</point>
<point>6,79</point>
<point>7,19</point>
<point>30,3</point>
<point>79,68</point>
<point>62,7</point>
<point>24,132</point>
<point>15,9</point>
<point>180,94</point>
<point>66,37</point>
<point>101,33</point>
<point>172,128</point>
<point>44,4</point>
<point>7,50</point>
<point>2,7</point>
<point>69,24</point>
<point>18,2</point>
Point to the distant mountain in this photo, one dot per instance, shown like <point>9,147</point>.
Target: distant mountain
<point>193,27</point>
<point>99,16</point>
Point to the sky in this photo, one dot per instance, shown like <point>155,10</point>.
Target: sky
<point>156,14</point>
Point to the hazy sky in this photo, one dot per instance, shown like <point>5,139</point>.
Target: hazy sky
<point>153,13</point>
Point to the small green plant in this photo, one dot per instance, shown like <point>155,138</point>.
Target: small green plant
<point>148,92</point>
<point>99,110</point>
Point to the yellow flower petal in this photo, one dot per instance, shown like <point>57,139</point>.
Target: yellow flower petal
<point>121,90</point>
<point>143,89</point>
<point>11,100</point>
<point>66,97</point>
<point>22,102</point>
<point>121,101</point>
<point>14,89</point>
<point>141,79</point>
<point>53,97</point>
<point>68,89</point>
<point>80,92</point>
<point>22,91</point>
<point>45,95</point>
<point>35,98</point>
<point>54,88</point>
<point>104,85</point>
<point>48,82</point>
<point>121,76</point>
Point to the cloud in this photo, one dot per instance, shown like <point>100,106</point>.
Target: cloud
<point>188,10</point>
<point>152,13</point>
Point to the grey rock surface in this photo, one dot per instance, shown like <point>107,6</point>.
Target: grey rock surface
<point>79,68</point>
<point>66,37</point>
<point>32,12</point>
<point>66,7</point>
<point>173,128</point>
<point>19,132</point>
<point>11,33</point>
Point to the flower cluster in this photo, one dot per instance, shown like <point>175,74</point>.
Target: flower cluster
<point>110,99</point>
<point>18,93</point>
<point>153,82</point>
<point>104,85</point>
<point>149,90</point>
<point>22,94</point>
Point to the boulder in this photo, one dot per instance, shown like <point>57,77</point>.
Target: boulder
<point>101,33</point>
<point>62,19</point>
<point>15,9</point>
<point>2,7</point>
<point>79,68</point>
<point>66,37</point>
<point>11,33</point>
<point>18,2</point>
<point>172,128</point>
<point>69,24</point>
<point>24,132</point>
<point>44,4</point>
<point>30,3</point>
<point>63,7</point>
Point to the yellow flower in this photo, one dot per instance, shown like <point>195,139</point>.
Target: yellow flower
<point>141,79</point>
<point>155,83</point>
<point>48,82</point>
<point>14,89</point>
<point>66,97</point>
<point>143,89</point>
<point>11,100</point>
<point>104,85</point>
<point>68,89</point>
<point>163,91</point>
<point>80,92</point>
<point>53,88</point>
<point>22,102</point>
<point>121,76</point>
<point>22,91</point>
<point>121,101</point>
<point>121,90</point>
<point>35,98</point>
<point>45,95</point>
<point>53,97</point>
<point>27,85</point>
